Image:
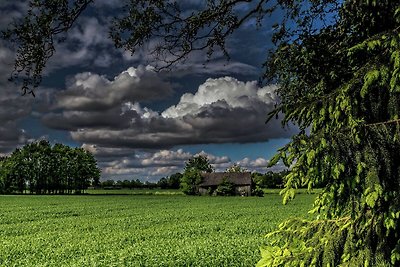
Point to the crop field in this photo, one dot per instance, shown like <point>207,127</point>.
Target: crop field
<point>134,192</point>
<point>139,230</point>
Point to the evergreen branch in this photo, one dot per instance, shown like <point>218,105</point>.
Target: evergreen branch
<point>382,123</point>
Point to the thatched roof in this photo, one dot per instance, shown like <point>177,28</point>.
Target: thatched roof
<point>216,178</point>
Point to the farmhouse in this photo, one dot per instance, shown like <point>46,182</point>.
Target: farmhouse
<point>241,182</point>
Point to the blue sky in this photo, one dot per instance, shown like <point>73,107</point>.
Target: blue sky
<point>142,124</point>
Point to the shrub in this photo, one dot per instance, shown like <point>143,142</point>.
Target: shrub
<point>257,191</point>
<point>226,188</point>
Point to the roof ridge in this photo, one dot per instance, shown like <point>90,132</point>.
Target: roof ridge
<point>216,178</point>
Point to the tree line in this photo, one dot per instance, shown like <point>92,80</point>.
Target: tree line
<point>187,180</point>
<point>170,182</point>
<point>264,180</point>
<point>44,169</point>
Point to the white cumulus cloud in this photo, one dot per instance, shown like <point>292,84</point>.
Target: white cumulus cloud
<point>91,91</point>
<point>226,92</point>
<point>106,112</point>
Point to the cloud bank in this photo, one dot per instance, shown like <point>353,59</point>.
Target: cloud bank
<point>109,113</point>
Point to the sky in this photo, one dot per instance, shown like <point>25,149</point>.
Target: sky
<point>140,123</point>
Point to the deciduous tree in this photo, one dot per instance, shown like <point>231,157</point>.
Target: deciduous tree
<point>174,180</point>
<point>192,175</point>
<point>200,163</point>
<point>236,168</point>
<point>44,169</point>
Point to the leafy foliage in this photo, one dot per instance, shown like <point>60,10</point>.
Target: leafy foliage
<point>192,175</point>
<point>190,181</point>
<point>226,188</point>
<point>339,84</point>
<point>235,168</point>
<point>41,169</point>
<point>171,182</point>
<point>174,180</point>
<point>269,179</point>
<point>257,191</point>
<point>200,163</point>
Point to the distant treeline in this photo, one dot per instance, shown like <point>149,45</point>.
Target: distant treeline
<point>44,169</point>
<point>171,182</point>
<point>274,180</point>
<point>266,180</point>
<point>269,179</point>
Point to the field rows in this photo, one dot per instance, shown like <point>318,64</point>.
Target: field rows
<point>138,230</point>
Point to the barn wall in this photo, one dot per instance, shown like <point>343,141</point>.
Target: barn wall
<point>244,190</point>
<point>203,191</point>
<point>240,190</point>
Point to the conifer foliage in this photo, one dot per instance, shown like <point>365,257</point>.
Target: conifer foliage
<point>340,84</point>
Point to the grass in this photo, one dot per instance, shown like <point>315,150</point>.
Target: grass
<point>139,230</point>
<point>134,192</point>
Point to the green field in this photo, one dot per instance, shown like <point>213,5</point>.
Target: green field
<point>134,192</point>
<point>139,230</point>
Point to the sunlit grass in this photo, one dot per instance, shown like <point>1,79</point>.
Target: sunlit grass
<point>134,192</point>
<point>139,230</point>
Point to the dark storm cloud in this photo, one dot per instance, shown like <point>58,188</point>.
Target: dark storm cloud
<point>13,108</point>
<point>220,123</point>
<point>92,92</point>
<point>86,45</point>
<point>196,63</point>
<point>72,120</point>
<point>6,62</point>
<point>11,10</point>
<point>11,136</point>
<point>109,4</point>
<point>139,139</point>
<point>9,132</point>
<point>223,110</point>
<point>108,152</point>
